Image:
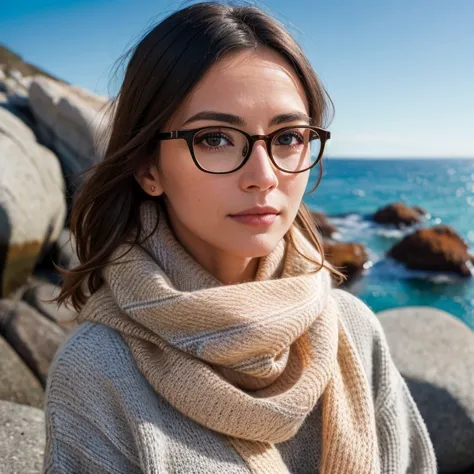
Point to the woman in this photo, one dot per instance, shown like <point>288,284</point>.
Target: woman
<point>213,340</point>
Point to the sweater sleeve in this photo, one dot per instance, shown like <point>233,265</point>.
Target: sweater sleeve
<point>403,439</point>
<point>85,429</point>
<point>74,444</point>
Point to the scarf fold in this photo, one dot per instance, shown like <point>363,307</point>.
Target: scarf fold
<point>249,360</point>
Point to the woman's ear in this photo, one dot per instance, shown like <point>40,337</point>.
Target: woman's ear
<point>148,177</point>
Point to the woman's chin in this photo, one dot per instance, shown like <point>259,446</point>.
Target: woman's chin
<point>256,245</point>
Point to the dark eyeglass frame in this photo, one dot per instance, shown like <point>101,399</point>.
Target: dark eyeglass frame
<point>188,135</point>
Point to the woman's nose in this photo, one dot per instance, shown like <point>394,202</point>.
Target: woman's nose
<point>259,171</point>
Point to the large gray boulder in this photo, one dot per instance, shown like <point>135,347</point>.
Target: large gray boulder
<point>32,202</point>
<point>69,122</point>
<point>3,76</point>
<point>66,255</point>
<point>38,293</point>
<point>16,87</point>
<point>17,382</point>
<point>11,126</point>
<point>23,113</point>
<point>33,336</point>
<point>434,351</point>
<point>22,439</point>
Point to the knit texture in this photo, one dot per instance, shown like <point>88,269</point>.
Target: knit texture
<point>248,360</point>
<point>102,415</point>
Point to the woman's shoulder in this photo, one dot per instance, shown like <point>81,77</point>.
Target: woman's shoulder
<point>95,397</point>
<point>358,317</point>
<point>91,346</point>
<point>99,401</point>
<point>94,362</point>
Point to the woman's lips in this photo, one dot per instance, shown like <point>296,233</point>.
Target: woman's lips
<point>256,220</point>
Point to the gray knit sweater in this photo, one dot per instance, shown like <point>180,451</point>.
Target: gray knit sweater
<point>102,416</point>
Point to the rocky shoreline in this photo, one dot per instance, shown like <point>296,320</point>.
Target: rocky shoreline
<point>49,134</point>
<point>438,249</point>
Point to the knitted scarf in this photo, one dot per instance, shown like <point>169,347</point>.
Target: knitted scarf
<point>249,360</point>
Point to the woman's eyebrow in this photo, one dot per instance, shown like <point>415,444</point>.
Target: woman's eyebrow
<point>239,121</point>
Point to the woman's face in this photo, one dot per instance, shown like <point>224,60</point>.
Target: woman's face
<point>256,86</point>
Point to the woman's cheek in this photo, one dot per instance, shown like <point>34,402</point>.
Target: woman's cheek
<point>295,190</point>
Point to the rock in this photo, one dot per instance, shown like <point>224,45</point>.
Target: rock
<point>399,214</point>
<point>34,337</point>
<point>17,382</point>
<point>36,295</point>
<point>65,250</point>
<point>323,224</point>
<point>420,211</point>
<point>16,75</point>
<point>14,128</point>
<point>69,123</point>
<point>467,471</point>
<point>22,438</point>
<point>349,257</point>
<point>32,202</point>
<point>16,87</point>
<point>437,248</point>
<point>93,100</point>
<point>63,254</point>
<point>23,113</point>
<point>16,92</point>
<point>434,351</point>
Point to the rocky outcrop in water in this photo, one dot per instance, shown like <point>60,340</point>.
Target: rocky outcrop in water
<point>399,214</point>
<point>349,257</point>
<point>437,248</point>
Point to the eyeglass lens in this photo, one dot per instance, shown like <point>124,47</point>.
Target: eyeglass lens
<point>220,149</point>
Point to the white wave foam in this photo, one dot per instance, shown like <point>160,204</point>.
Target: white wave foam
<point>442,278</point>
<point>395,234</point>
<point>389,267</point>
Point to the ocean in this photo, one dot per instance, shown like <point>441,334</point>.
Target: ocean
<point>353,189</point>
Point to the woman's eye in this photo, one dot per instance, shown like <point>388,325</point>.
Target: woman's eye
<point>215,140</point>
<point>286,139</point>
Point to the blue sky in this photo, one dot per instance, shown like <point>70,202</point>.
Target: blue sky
<point>401,73</point>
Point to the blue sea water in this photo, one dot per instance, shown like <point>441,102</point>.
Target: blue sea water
<point>353,189</point>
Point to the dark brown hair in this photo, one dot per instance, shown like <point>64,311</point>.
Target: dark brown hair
<point>165,66</point>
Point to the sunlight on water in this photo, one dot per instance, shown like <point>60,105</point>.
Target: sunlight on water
<point>352,190</point>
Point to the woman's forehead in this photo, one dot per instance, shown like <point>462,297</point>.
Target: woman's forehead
<point>245,84</point>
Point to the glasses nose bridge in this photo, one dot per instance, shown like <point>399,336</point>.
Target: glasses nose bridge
<point>255,138</point>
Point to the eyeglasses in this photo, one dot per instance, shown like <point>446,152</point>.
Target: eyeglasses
<point>223,150</point>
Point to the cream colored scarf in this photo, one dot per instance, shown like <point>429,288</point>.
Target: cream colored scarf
<point>249,360</point>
